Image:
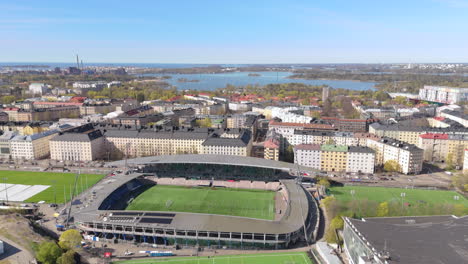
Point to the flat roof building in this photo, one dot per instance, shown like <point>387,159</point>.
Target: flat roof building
<point>410,239</point>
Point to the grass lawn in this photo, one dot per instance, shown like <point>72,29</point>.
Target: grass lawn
<point>272,258</point>
<point>223,201</point>
<point>413,196</point>
<point>60,183</point>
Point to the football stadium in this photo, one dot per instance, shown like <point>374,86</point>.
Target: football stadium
<point>200,200</point>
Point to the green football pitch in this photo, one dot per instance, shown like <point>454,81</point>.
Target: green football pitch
<point>381,194</point>
<point>237,202</point>
<point>60,184</point>
<point>272,258</point>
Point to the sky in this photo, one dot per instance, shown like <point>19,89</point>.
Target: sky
<point>237,31</point>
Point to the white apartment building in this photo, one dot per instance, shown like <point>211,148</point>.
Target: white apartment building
<point>308,155</point>
<point>240,107</point>
<point>465,160</point>
<point>76,146</point>
<point>32,147</point>
<point>456,116</point>
<point>443,94</point>
<point>90,85</point>
<point>317,137</point>
<point>287,130</point>
<point>408,156</point>
<point>360,159</point>
<point>38,88</point>
<point>288,115</point>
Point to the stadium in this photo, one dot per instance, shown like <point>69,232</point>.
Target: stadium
<point>200,200</point>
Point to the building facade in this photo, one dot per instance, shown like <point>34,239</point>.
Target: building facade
<point>408,156</point>
<point>32,147</point>
<point>444,148</point>
<point>82,143</point>
<point>335,158</point>
<point>443,94</point>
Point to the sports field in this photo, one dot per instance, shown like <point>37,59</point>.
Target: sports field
<point>381,194</point>
<point>60,184</point>
<point>222,201</point>
<point>272,258</point>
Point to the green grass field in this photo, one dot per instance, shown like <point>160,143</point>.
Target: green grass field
<point>272,258</point>
<point>60,183</point>
<point>237,202</point>
<point>381,194</point>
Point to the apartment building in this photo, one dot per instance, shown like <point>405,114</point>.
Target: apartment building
<point>321,137</point>
<point>38,88</point>
<point>5,149</point>
<point>290,114</point>
<point>43,114</point>
<point>286,130</point>
<point>360,159</point>
<point>349,125</point>
<point>92,109</point>
<point>82,143</point>
<point>228,142</point>
<point>465,160</point>
<point>410,134</point>
<point>33,146</point>
<point>408,156</point>
<point>128,141</point>
<point>456,116</point>
<point>92,86</point>
<point>441,147</point>
<point>443,94</point>
<point>272,145</point>
<point>335,158</point>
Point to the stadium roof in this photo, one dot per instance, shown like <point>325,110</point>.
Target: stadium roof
<point>292,220</point>
<point>212,159</point>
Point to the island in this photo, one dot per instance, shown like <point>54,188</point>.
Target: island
<point>184,80</point>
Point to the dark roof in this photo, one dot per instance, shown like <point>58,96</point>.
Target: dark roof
<point>398,144</point>
<point>397,127</point>
<point>430,239</point>
<point>241,141</point>
<point>360,149</point>
<point>78,137</point>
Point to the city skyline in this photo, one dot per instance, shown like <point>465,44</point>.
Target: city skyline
<point>241,33</point>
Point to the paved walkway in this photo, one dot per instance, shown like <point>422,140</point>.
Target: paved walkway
<point>15,254</point>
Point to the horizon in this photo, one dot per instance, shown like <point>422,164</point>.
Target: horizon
<point>223,63</point>
<point>212,32</point>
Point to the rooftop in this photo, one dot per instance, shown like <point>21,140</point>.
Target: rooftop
<point>334,148</point>
<point>426,239</point>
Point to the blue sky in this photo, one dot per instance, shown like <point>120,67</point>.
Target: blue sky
<point>253,31</point>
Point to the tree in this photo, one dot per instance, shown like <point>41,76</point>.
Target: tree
<point>382,209</point>
<point>140,97</point>
<point>289,154</point>
<point>8,99</point>
<point>70,239</point>
<point>67,258</point>
<point>380,96</point>
<point>449,162</point>
<point>324,182</point>
<point>206,122</point>
<point>400,100</point>
<point>392,166</point>
<point>48,253</point>
<point>335,224</point>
